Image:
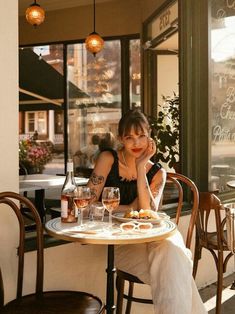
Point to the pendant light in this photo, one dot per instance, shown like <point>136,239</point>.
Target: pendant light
<point>35,14</point>
<point>94,43</point>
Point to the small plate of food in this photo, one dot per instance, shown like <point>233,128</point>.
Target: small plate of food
<point>142,215</point>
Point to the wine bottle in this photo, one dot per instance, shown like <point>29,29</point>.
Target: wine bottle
<point>69,211</point>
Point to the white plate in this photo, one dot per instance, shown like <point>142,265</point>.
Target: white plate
<point>162,216</point>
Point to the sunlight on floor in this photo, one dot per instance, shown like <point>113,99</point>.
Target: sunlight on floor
<point>226,295</point>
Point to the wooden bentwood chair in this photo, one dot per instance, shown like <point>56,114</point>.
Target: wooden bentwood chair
<point>49,302</point>
<point>216,242</point>
<point>183,185</point>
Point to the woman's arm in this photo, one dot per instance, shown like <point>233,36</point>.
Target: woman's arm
<point>157,186</point>
<point>124,208</point>
<point>149,196</point>
<point>99,174</point>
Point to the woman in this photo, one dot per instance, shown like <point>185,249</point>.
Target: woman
<point>165,265</point>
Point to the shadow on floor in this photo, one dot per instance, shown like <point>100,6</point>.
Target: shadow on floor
<point>208,295</point>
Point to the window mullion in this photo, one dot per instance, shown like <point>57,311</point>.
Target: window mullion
<point>125,74</point>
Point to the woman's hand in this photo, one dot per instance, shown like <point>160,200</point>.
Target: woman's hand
<point>147,154</point>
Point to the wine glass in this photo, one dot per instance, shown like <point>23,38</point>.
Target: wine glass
<point>82,197</point>
<point>110,200</point>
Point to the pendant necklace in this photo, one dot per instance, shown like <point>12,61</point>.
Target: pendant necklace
<point>132,177</point>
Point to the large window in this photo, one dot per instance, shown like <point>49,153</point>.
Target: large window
<point>222,93</point>
<point>77,112</point>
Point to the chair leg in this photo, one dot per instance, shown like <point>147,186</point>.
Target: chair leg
<point>120,291</point>
<point>219,282</point>
<point>233,286</point>
<point>197,256</point>
<point>130,294</point>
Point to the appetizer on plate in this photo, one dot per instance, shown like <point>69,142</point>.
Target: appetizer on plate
<point>134,214</point>
<point>141,214</point>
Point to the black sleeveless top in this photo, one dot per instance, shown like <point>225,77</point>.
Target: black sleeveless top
<point>128,188</point>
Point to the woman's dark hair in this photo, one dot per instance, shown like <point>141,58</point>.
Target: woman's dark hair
<point>132,119</point>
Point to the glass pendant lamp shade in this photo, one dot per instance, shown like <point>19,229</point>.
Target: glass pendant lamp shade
<point>94,43</point>
<point>35,14</point>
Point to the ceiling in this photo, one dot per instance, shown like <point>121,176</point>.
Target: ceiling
<point>170,44</point>
<point>50,5</point>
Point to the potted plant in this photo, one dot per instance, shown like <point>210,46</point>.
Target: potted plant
<point>33,156</point>
<point>165,131</point>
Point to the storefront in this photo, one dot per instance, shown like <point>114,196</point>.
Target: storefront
<point>206,85</point>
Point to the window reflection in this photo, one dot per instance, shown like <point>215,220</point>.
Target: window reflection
<point>222,97</point>
<point>94,114</point>
<point>41,100</point>
<point>135,75</point>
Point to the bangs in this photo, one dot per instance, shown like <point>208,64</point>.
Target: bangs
<point>137,125</point>
<point>133,119</point>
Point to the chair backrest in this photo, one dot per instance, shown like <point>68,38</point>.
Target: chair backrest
<point>187,195</point>
<point>210,206</point>
<point>15,201</point>
<point>230,226</point>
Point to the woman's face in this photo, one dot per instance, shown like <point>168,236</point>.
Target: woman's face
<point>136,142</point>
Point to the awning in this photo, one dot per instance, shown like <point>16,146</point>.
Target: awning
<point>41,87</point>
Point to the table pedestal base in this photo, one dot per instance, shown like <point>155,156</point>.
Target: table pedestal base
<point>110,307</point>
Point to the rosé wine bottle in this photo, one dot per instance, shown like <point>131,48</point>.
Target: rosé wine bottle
<point>69,212</point>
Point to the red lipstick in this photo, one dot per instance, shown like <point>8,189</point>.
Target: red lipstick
<point>136,150</point>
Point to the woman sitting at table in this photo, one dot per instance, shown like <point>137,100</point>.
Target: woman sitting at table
<point>165,265</point>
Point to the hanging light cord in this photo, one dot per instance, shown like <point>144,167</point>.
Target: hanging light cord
<point>94,43</point>
<point>94,15</point>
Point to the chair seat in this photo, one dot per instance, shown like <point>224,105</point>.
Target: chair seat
<point>212,241</point>
<point>128,276</point>
<point>58,302</point>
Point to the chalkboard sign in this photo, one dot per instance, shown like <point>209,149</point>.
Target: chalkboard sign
<point>222,93</point>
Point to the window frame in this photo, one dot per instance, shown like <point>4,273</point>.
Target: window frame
<point>36,122</point>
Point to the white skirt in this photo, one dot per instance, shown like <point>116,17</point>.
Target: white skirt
<point>167,267</point>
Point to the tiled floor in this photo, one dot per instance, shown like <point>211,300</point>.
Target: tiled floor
<point>208,295</point>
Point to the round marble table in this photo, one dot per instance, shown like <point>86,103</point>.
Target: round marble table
<point>231,184</point>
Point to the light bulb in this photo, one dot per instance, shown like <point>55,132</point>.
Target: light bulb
<point>94,43</point>
<point>35,14</point>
